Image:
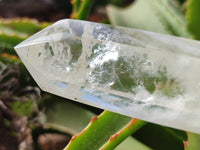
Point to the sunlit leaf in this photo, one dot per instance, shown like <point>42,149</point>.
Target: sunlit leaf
<point>161,16</point>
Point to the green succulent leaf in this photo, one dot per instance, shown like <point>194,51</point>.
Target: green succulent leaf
<point>64,115</point>
<point>163,16</point>
<point>98,131</point>
<point>72,119</point>
<point>14,31</point>
<point>131,143</point>
<point>8,41</point>
<point>160,137</point>
<point>23,25</point>
<point>81,9</point>
<point>192,142</point>
<point>117,138</point>
<point>193,17</point>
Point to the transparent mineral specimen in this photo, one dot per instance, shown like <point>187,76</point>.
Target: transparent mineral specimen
<point>141,74</point>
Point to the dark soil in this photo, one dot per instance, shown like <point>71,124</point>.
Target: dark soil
<point>7,140</point>
<point>43,10</point>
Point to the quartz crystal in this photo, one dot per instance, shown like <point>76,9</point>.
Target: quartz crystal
<point>140,74</point>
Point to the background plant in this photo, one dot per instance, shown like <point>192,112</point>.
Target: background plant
<point>21,101</point>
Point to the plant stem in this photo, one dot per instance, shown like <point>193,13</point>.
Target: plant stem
<point>117,138</point>
<point>85,9</point>
<point>75,6</point>
<point>81,9</point>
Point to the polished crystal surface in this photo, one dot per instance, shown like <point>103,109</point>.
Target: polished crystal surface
<point>141,74</point>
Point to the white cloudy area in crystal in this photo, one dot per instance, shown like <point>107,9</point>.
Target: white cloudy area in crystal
<point>141,74</point>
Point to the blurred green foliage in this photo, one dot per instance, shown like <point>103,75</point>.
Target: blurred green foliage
<point>69,118</point>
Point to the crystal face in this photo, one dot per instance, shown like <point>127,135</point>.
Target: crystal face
<point>141,74</point>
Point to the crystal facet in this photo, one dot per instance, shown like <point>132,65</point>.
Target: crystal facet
<point>141,74</point>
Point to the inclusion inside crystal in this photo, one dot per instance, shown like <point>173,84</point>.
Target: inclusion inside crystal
<point>141,74</point>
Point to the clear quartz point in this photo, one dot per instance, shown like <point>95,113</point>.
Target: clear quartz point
<point>140,74</point>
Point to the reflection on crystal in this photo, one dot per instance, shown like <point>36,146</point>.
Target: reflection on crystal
<point>141,74</point>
